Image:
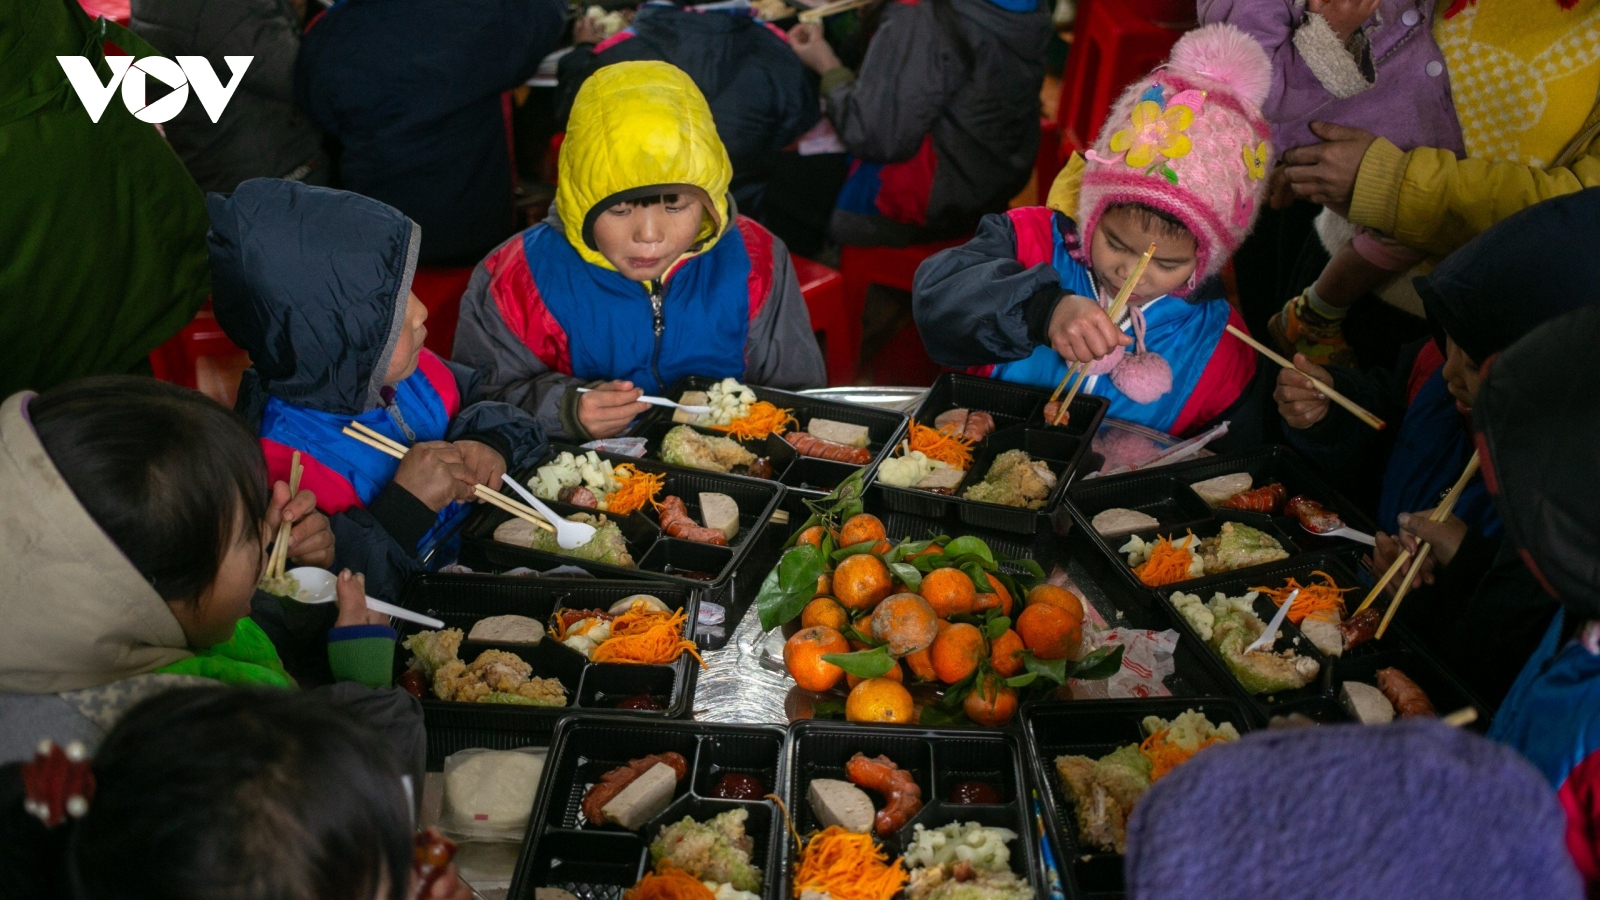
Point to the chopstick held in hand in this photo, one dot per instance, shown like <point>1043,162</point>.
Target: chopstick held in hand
<point>1350,405</point>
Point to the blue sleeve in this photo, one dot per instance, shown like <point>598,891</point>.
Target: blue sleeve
<point>976,304</point>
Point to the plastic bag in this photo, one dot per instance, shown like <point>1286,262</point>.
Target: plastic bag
<point>488,794</point>
<point>621,446</point>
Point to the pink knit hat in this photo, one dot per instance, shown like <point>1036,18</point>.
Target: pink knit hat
<point>1189,139</point>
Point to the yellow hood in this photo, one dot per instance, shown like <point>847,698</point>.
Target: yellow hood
<point>636,125</point>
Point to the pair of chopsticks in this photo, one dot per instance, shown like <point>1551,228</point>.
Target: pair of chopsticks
<point>1439,515</point>
<point>1081,370</point>
<point>818,13</point>
<point>278,562</point>
<point>384,444</point>
<point>1326,389</point>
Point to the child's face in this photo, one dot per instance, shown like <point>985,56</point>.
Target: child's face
<point>1460,376</point>
<point>210,618</point>
<point>644,241</point>
<point>412,334</point>
<point>1120,239</point>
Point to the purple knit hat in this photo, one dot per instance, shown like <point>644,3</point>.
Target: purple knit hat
<point>1189,139</point>
<point>1414,809</point>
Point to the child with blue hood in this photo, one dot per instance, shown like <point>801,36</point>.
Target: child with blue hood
<point>316,285</point>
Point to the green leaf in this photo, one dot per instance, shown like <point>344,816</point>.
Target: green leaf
<point>853,550</point>
<point>938,717</point>
<point>969,544</point>
<point>957,692</point>
<point>1053,669</point>
<point>872,663</point>
<point>828,708</point>
<point>1030,566</point>
<point>790,585</point>
<point>850,631</point>
<point>827,544</point>
<point>1099,665</point>
<point>975,572</point>
<point>911,548</point>
<point>926,564</point>
<point>1023,680</point>
<point>998,626</point>
<point>907,573</point>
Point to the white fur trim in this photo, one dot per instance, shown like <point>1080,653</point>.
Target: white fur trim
<point>1327,58</point>
<point>1333,230</point>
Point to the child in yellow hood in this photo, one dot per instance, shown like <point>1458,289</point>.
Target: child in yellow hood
<point>644,273</point>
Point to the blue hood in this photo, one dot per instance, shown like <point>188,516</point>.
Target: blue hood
<point>312,282</point>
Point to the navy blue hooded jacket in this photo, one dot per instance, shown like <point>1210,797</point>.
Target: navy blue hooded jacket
<point>410,89</point>
<point>313,283</point>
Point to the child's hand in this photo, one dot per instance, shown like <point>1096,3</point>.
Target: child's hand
<point>1300,404</point>
<point>484,463</point>
<point>449,886</point>
<point>606,411</point>
<point>435,473</point>
<point>1082,332</point>
<point>310,538</point>
<point>1446,537</point>
<point>813,49</point>
<point>351,595</point>
<point>1344,16</point>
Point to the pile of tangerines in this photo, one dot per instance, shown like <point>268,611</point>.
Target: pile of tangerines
<point>949,630</point>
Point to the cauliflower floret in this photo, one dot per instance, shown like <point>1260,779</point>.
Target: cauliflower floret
<point>1190,729</point>
<point>906,471</point>
<point>581,644</point>
<point>1195,612</point>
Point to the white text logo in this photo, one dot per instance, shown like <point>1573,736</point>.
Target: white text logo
<point>188,71</point>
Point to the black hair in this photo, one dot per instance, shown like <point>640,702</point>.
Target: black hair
<point>166,473</point>
<point>1162,222</point>
<point>651,200</point>
<point>215,793</point>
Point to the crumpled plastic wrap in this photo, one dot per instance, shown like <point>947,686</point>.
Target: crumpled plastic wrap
<point>736,687</point>
<point>1147,655</point>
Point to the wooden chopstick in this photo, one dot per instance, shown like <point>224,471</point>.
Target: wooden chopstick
<point>381,437</point>
<point>1118,303</point>
<point>1442,513</point>
<point>385,445</point>
<point>1326,389</point>
<point>1461,718</point>
<point>817,14</point>
<point>280,550</point>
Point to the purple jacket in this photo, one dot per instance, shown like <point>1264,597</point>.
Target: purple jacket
<point>1395,84</point>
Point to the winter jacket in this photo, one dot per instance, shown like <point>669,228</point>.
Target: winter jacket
<point>313,283</point>
<point>261,133</point>
<point>941,137</point>
<point>546,311</point>
<point>102,230</point>
<point>411,89</point>
<point>760,94</point>
<point>987,304</point>
<point>1383,83</point>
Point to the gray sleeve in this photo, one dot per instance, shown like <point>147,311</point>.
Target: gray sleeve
<point>884,113</point>
<point>976,304</point>
<point>27,719</point>
<point>510,372</point>
<point>781,350</point>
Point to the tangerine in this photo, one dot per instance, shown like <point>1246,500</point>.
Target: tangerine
<point>895,673</point>
<point>991,702</point>
<point>1005,653</point>
<point>949,591</point>
<point>921,665</point>
<point>812,536</point>
<point>1057,596</point>
<point>1050,631</point>
<point>802,656</point>
<point>998,597</point>
<point>825,584</point>
<point>825,611</point>
<point>864,527</point>
<point>906,623</point>
<point>956,651</point>
<point>879,700</point>
<point>861,581</point>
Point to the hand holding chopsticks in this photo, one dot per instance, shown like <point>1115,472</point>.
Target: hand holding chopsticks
<point>1327,389</point>
<point>1114,313</point>
<point>278,562</point>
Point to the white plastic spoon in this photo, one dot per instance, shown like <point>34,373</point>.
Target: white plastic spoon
<point>319,586</point>
<point>1271,634</point>
<point>1346,532</point>
<point>662,401</point>
<point>569,535</point>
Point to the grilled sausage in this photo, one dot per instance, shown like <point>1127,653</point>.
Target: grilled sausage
<point>676,522</point>
<point>813,446</point>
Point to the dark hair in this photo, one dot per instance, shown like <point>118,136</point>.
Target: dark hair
<point>1164,223</point>
<point>164,471</point>
<point>651,200</point>
<point>213,793</point>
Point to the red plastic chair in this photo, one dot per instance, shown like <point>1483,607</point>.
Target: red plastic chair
<point>202,358</point>
<point>823,289</point>
<point>440,291</point>
<point>893,267</point>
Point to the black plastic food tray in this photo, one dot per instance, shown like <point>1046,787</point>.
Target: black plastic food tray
<point>938,760</point>
<point>659,557</point>
<point>563,850</point>
<point>461,600</point>
<point>1018,412</point>
<point>817,476</point>
<point>1093,730</point>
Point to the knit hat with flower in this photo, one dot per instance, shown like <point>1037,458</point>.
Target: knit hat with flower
<point>1189,139</point>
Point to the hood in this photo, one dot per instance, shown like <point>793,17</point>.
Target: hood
<point>312,282</point>
<point>1537,426</point>
<point>1524,270</point>
<point>77,614</point>
<point>637,126</point>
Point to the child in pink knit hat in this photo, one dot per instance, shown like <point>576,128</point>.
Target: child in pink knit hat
<point>1180,164</point>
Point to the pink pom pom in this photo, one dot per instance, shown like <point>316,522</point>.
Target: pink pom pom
<point>1106,363</point>
<point>1223,55</point>
<point>1143,377</point>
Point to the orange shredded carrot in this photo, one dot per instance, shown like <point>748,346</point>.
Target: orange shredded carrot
<point>669,884</point>
<point>762,419</point>
<point>634,490</point>
<point>1323,600</point>
<point>847,866</point>
<point>645,636</point>
<point>1165,755</point>
<point>1168,563</point>
<point>947,445</point>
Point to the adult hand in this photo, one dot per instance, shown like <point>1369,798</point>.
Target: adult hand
<point>1325,173</point>
<point>1446,537</point>
<point>587,31</point>
<point>435,473</point>
<point>350,593</point>
<point>606,411</point>
<point>1344,16</point>
<point>1300,404</point>
<point>484,463</point>
<point>807,42</point>
<point>1082,332</point>
<point>310,537</point>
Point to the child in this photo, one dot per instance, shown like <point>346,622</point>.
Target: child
<point>136,514</point>
<point>1537,424</point>
<point>1180,164</point>
<point>202,793</point>
<point>316,285</point>
<point>1368,64</point>
<point>943,119</point>
<point>642,275</point>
